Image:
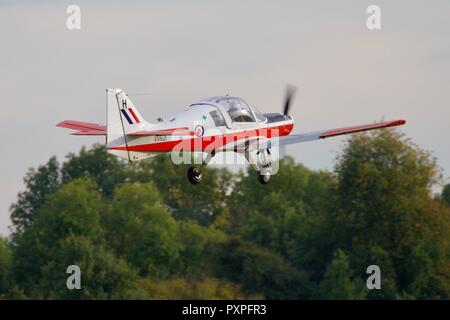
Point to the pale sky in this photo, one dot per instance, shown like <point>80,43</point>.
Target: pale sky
<point>181,51</point>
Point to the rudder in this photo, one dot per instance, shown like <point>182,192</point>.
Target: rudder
<point>122,117</point>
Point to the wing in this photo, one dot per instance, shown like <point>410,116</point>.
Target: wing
<point>83,128</point>
<point>311,136</point>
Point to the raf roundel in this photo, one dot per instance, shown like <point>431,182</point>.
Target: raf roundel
<point>199,130</point>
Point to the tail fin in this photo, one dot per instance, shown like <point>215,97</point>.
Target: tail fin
<point>122,117</point>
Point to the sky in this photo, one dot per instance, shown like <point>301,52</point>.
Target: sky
<point>176,52</point>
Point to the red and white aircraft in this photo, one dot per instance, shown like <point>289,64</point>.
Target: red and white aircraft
<point>206,127</point>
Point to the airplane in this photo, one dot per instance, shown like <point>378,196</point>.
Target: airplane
<point>206,127</point>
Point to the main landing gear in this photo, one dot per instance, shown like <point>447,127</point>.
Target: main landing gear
<point>260,161</point>
<point>194,175</point>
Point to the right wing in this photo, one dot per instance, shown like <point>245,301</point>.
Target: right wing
<point>311,136</point>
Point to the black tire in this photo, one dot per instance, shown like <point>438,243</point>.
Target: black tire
<point>194,175</point>
<point>263,178</point>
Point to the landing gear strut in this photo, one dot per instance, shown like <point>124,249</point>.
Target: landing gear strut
<point>194,175</point>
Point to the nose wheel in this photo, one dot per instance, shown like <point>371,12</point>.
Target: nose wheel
<point>194,175</point>
<point>263,178</point>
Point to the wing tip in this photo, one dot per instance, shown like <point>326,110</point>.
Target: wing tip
<point>394,123</point>
<point>61,124</point>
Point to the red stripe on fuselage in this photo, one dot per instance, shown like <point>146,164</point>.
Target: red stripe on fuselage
<point>209,142</point>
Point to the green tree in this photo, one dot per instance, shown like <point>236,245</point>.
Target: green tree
<point>230,237</point>
<point>185,201</point>
<point>195,241</point>
<point>195,289</point>
<point>67,230</point>
<point>5,266</point>
<point>338,282</point>
<point>39,184</point>
<point>258,270</point>
<point>103,276</point>
<point>141,231</point>
<point>287,216</point>
<point>105,169</point>
<point>383,201</point>
<point>300,188</point>
<point>445,196</point>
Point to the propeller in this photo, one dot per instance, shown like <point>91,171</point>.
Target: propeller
<point>290,92</point>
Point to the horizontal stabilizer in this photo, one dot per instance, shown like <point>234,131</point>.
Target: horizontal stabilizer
<point>83,128</point>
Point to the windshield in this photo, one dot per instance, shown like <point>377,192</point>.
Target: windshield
<point>239,110</point>
<point>259,115</point>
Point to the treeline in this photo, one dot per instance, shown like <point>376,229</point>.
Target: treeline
<point>142,231</point>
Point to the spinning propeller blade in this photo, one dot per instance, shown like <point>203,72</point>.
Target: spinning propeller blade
<point>290,92</point>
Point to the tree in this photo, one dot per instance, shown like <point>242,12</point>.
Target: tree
<point>338,282</point>
<point>141,231</point>
<point>39,184</point>
<point>67,230</point>
<point>195,241</point>
<point>73,210</point>
<point>103,276</point>
<point>308,234</point>
<point>287,216</point>
<point>383,200</point>
<point>298,187</point>
<point>258,270</point>
<point>195,289</point>
<point>105,169</point>
<point>445,196</point>
<point>185,201</point>
<point>5,266</point>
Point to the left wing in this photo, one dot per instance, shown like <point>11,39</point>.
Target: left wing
<point>311,136</point>
<point>83,128</point>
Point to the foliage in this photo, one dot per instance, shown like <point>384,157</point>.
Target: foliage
<point>446,194</point>
<point>258,270</point>
<point>338,282</point>
<point>384,201</point>
<point>39,185</point>
<point>142,231</point>
<point>197,289</point>
<point>5,266</point>
<point>185,201</point>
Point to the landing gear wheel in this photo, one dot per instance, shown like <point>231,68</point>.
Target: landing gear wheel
<point>194,175</point>
<point>263,178</point>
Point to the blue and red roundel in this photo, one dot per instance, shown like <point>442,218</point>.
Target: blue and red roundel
<point>199,130</point>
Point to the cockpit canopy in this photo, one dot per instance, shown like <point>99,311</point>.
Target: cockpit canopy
<point>237,108</point>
